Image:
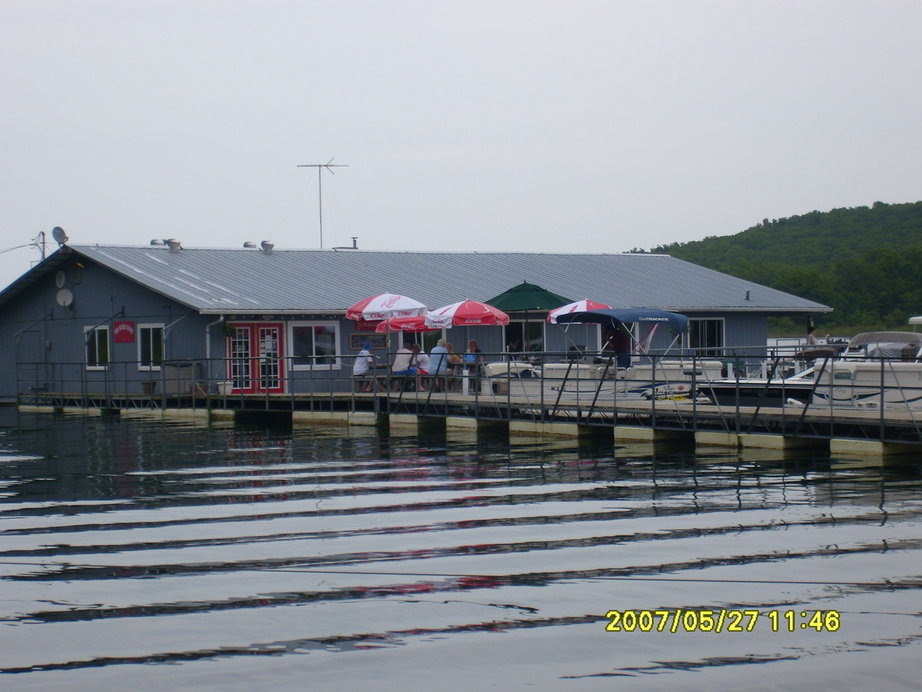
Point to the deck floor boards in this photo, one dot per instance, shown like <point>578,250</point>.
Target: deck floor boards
<point>893,424</point>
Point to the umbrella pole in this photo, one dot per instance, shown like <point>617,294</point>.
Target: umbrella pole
<point>387,357</point>
<point>466,372</point>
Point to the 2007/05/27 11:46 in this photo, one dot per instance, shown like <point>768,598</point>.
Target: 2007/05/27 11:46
<point>720,620</point>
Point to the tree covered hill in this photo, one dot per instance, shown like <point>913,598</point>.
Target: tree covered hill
<point>865,262</point>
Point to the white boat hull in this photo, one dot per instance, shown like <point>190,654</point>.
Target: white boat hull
<point>582,383</point>
<point>869,384</point>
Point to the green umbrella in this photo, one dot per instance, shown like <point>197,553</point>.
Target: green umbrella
<point>527,298</point>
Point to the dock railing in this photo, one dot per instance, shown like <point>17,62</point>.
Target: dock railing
<point>656,389</point>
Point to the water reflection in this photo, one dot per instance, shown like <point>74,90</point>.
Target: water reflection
<point>126,542</point>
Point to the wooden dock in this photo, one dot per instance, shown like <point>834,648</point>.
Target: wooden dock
<point>855,431</point>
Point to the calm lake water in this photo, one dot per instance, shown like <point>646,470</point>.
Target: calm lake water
<point>172,556</point>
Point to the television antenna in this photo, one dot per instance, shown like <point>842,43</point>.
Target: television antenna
<point>40,241</point>
<point>329,165</point>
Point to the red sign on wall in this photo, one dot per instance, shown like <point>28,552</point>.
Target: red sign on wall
<point>123,332</point>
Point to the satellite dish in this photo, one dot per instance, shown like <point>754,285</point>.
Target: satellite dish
<point>64,297</point>
<point>59,235</point>
<point>60,278</point>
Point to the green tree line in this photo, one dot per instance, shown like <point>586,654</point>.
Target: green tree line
<point>864,262</point>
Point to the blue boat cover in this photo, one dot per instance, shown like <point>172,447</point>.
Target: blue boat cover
<point>614,317</point>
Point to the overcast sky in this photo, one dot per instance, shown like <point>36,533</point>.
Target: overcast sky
<point>509,125</point>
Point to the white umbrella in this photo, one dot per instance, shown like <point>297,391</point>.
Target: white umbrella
<point>578,306</point>
<point>466,313</point>
<point>384,306</point>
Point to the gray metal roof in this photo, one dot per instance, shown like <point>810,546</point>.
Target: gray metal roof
<point>250,281</point>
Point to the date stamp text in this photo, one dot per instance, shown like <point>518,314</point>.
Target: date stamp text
<point>721,620</point>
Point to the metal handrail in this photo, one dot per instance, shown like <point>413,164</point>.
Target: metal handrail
<point>328,385</point>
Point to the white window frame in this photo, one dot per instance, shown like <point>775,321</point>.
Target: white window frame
<point>337,335</point>
<point>522,323</point>
<point>141,328</point>
<point>86,347</point>
<point>723,334</point>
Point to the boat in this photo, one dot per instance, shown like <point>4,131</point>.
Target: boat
<point>786,380</point>
<point>872,369</point>
<point>877,369</point>
<point>609,375</point>
<point>583,382</point>
<point>793,390</point>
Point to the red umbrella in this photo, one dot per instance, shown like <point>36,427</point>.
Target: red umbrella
<point>466,312</point>
<point>405,324</point>
<point>384,306</point>
<point>578,306</point>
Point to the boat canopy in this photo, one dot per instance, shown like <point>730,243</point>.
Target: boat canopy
<point>866,338</point>
<point>615,317</point>
<point>905,345</point>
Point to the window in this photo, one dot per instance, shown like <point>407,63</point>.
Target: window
<point>96,340</point>
<point>314,345</point>
<point>524,336</point>
<point>150,346</point>
<point>706,337</point>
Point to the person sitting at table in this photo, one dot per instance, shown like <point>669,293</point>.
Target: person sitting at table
<point>455,362</point>
<point>402,365</point>
<point>473,361</point>
<point>438,364</point>
<point>421,361</point>
<point>402,361</point>
<point>363,364</point>
<point>474,356</point>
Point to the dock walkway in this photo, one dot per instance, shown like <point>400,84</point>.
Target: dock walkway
<point>870,430</point>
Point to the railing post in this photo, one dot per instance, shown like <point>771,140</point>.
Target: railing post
<point>883,398</point>
<point>694,391</point>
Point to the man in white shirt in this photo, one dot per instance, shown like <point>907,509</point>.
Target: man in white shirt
<point>363,364</point>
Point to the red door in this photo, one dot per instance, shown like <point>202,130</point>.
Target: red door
<point>255,362</point>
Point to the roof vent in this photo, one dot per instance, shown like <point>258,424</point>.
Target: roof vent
<point>354,246</point>
<point>173,244</point>
<point>265,246</point>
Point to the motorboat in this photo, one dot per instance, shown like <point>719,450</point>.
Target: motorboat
<point>577,382</point>
<point>877,369</point>
<point>793,390</point>
<point>610,375</point>
<point>873,369</point>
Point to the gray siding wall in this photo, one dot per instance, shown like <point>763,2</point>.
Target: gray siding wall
<point>746,330</point>
<point>42,343</point>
